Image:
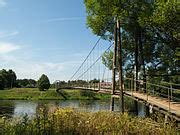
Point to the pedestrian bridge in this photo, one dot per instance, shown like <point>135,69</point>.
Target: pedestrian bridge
<point>165,100</point>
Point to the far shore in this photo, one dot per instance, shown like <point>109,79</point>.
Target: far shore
<point>51,94</point>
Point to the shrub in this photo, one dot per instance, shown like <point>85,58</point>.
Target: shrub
<point>43,83</point>
<point>68,121</point>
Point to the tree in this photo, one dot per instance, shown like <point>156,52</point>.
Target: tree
<point>94,81</point>
<point>11,78</point>
<point>32,83</point>
<point>107,59</point>
<point>149,34</point>
<point>1,83</point>
<point>43,83</point>
<point>26,83</point>
<point>162,32</point>
<point>101,13</point>
<point>4,75</point>
<point>7,79</point>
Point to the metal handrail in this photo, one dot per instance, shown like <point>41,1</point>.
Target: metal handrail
<point>152,84</point>
<point>148,90</point>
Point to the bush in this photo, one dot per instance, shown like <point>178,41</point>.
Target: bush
<point>67,121</point>
<point>43,83</point>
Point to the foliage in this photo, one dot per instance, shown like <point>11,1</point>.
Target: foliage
<point>94,81</point>
<point>107,59</point>
<point>77,82</point>
<point>67,121</point>
<point>177,53</point>
<point>25,83</point>
<point>150,27</point>
<point>82,82</point>
<point>7,78</point>
<point>43,83</point>
<point>1,82</point>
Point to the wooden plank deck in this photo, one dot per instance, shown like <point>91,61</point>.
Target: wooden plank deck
<point>162,103</point>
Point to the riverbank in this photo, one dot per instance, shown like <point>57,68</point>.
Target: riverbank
<point>69,121</point>
<point>51,94</point>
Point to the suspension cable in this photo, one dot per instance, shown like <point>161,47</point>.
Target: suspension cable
<point>90,52</point>
<point>86,57</point>
<point>94,62</point>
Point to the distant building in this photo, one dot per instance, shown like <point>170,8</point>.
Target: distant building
<point>106,84</point>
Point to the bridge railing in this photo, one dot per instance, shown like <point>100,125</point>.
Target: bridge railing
<point>149,89</point>
<point>139,86</point>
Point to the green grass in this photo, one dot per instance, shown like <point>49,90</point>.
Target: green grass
<point>51,94</point>
<point>60,121</point>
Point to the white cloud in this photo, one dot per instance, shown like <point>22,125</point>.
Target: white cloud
<point>3,3</point>
<point>33,69</point>
<point>64,19</point>
<point>6,47</point>
<point>26,66</point>
<point>54,66</point>
<point>8,34</point>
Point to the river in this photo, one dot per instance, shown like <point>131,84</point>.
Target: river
<point>14,108</point>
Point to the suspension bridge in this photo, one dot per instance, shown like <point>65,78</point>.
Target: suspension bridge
<point>98,72</point>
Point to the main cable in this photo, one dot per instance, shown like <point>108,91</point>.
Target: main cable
<point>86,57</point>
<point>89,53</point>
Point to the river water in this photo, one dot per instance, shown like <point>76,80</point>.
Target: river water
<point>14,108</point>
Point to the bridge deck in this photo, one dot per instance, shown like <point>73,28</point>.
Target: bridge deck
<point>163,104</point>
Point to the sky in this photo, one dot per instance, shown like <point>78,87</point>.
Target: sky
<point>44,37</point>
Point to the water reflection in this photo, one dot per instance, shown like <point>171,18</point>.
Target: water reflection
<point>19,108</point>
<point>22,108</point>
<point>7,108</point>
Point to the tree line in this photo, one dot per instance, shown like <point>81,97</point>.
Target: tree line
<point>8,80</point>
<point>74,83</point>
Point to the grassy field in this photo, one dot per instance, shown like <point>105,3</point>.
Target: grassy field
<point>51,94</point>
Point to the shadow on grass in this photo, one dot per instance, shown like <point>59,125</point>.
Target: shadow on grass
<point>61,92</point>
<point>88,93</point>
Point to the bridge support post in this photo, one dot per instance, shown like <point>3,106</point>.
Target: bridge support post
<point>114,68</point>
<point>121,83</point>
<point>99,86</point>
<point>112,103</point>
<point>135,107</point>
<point>114,60</point>
<point>147,110</point>
<point>145,83</point>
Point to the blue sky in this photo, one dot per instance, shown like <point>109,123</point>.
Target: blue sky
<point>43,36</point>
